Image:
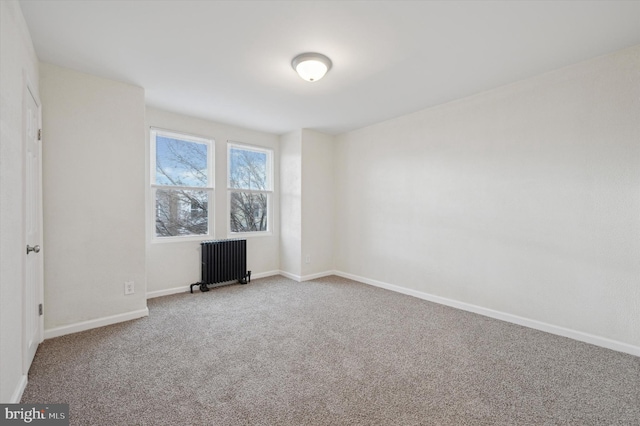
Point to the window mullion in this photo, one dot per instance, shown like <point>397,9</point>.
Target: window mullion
<point>251,191</point>
<point>177,187</point>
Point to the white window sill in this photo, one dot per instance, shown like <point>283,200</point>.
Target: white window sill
<point>183,239</point>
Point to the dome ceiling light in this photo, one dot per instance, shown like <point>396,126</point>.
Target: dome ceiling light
<point>311,66</point>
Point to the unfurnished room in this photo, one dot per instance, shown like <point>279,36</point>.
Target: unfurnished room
<point>320,212</point>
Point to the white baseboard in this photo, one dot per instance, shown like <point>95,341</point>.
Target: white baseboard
<point>95,323</point>
<point>187,288</point>
<point>526,322</point>
<point>265,274</point>
<point>318,275</point>
<point>17,393</point>
<point>289,275</point>
<point>167,292</point>
<point>303,278</point>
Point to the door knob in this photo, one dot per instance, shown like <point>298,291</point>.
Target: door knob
<point>35,249</point>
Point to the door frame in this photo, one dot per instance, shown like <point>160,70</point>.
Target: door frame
<point>30,90</point>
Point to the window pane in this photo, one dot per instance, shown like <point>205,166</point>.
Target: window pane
<point>180,163</point>
<point>248,212</point>
<point>248,169</point>
<point>181,212</point>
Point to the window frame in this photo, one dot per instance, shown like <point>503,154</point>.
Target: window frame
<point>269,193</point>
<point>209,189</point>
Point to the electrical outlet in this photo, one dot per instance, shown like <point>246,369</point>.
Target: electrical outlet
<point>307,259</point>
<point>129,287</point>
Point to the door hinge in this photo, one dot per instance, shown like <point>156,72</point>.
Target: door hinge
<point>39,134</point>
<point>40,309</point>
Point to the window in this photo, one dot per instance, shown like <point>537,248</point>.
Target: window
<point>181,184</point>
<point>250,183</point>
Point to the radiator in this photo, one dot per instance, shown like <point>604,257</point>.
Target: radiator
<point>223,261</point>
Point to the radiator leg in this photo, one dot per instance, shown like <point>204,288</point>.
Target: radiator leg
<point>203,287</point>
<point>246,279</point>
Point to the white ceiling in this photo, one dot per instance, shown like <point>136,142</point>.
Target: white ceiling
<point>230,61</point>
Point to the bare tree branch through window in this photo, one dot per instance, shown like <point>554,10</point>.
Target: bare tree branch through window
<point>183,189</point>
<point>250,188</point>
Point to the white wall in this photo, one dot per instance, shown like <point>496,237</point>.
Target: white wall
<point>317,203</point>
<point>17,60</point>
<point>523,200</point>
<point>94,188</point>
<point>291,204</point>
<point>307,204</point>
<point>174,265</point>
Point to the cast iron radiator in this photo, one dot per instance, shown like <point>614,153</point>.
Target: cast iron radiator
<point>223,261</point>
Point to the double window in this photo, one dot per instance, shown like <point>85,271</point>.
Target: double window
<point>182,184</point>
<point>182,187</point>
<point>250,185</point>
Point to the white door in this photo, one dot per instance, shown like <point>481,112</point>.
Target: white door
<point>33,288</point>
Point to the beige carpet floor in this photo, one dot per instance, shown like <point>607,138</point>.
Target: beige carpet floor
<point>328,352</point>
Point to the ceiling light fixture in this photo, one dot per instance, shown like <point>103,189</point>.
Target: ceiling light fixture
<point>311,66</point>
